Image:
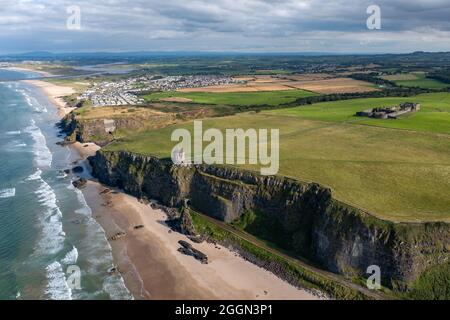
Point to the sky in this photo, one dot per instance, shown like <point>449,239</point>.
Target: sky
<point>335,26</point>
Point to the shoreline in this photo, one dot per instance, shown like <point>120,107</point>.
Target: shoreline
<point>55,94</point>
<point>152,267</point>
<point>148,258</point>
<point>21,69</point>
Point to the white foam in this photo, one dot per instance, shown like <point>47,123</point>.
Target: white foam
<point>115,287</point>
<point>43,156</point>
<point>85,209</point>
<point>32,102</point>
<point>57,287</point>
<point>13,133</point>
<point>8,193</point>
<point>34,176</point>
<point>20,145</point>
<point>52,236</point>
<point>62,175</point>
<point>71,257</point>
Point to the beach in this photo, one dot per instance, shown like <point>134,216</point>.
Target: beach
<point>148,259</point>
<point>55,94</point>
<point>152,267</point>
<point>20,69</point>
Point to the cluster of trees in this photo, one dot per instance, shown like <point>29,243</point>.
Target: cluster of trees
<point>373,77</point>
<point>387,92</point>
<point>442,76</point>
<point>391,92</point>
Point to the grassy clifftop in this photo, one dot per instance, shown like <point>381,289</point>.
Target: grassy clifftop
<point>397,175</point>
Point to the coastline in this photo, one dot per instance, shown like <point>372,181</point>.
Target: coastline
<point>19,69</point>
<point>152,267</point>
<point>55,94</point>
<point>147,258</point>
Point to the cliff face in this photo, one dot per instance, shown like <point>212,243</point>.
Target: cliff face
<point>301,217</point>
<point>96,130</point>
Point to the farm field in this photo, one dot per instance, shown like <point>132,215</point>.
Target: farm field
<point>433,117</point>
<point>271,98</point>
<point>319,83</point>
<point>415,80</point>
<point>394,174</point>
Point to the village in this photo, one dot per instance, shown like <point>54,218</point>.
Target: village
<point>125,92</point>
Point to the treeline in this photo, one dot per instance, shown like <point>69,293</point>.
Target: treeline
<point>373,77</point>
<point>442,76</point>
<point>391,92</point>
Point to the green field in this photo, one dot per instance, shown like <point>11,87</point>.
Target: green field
<point>433,117</point>
<point>271,98</point>
<point>416,80</point>
<point>395,174</point>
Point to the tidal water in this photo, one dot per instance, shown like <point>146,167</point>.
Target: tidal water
<point>50,245</point>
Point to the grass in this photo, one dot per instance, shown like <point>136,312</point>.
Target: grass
<point>78,84</point>
<point>434,284</point>
<point>433,117</point>
<point>397,175</point>
<point>416,79</point>
<point>271,98</point>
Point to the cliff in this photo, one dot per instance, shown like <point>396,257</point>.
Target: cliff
<point>102,131</point>
<point>300,217</point>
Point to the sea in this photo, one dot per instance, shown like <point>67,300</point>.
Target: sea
<point>51,247</point>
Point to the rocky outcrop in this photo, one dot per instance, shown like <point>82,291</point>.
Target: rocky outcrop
<point>102,131</point>
<point>187,249</point>
<point>301,217</point>
<point>80,183</point>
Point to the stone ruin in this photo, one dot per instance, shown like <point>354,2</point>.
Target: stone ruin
<point>389,112</point>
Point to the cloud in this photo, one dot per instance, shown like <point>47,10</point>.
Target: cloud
<point>224,25</point>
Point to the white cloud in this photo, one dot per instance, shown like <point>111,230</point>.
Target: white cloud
<point>275,25</point>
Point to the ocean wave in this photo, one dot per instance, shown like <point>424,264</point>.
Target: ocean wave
<point>53,236</point>
<point>85,209</point>
<point>13,133</point>
<point>20,145</point>
<point>62,175</point>
<point>71,257</point>
<point>43,156</point>
<point>34,176</point>
<point>57,287</point>
<point>33,102</point>
<point>115,287</point>
<point>8,193</point>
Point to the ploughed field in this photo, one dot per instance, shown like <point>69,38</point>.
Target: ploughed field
<point>400,175</point>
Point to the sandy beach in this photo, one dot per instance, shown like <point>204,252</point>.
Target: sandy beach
<point>55,94</point>
<point>153,268</point>
<point>42,73</point>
